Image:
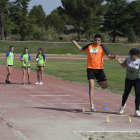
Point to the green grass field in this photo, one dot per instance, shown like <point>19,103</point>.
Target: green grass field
<point>62,48</point>
<point>75,71</point>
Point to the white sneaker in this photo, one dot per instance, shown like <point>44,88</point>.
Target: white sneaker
<point>122,109</point>
<point>37,83</point>
<point>137,113</point>
<point>40,83</point>
<point>92,109</point>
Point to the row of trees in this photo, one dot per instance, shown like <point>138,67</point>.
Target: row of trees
<point>116,17</point>
<point>15,19</point>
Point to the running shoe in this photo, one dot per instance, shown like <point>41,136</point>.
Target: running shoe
<point>9,83</point>
<point>137,113</point>
<point>40,83</point>
<point>37,83</point>
<point>92,109</point>
<point>6,82</point>
<point>122,109</point>
<point>23,83</point>
<point>29,82</point>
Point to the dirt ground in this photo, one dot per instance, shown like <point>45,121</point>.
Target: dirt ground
<point>110,135</point>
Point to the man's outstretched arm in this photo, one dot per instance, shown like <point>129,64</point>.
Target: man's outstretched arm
<point>78,46</point>
<point>111,57</point>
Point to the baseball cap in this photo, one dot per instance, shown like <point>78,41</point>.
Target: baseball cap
<point>134,51</point>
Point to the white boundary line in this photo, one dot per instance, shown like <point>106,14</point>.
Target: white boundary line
<point>69,103</point>
<point>48,95</point>
<point>63,100</point>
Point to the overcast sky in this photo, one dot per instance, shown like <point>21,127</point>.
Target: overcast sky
<point>48,5</point>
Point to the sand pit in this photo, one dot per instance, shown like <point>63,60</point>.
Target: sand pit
<point>110,135</point>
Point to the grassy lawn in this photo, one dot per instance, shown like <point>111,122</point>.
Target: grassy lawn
<point>62,48</point>
<point>75,71</point>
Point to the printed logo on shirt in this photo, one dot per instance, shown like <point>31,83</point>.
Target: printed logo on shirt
<point>12,57</point>
<point>94,50</point>
<point>131,71</point>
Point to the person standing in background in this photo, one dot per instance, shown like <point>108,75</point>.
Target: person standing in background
<point>25,58</point>
<point>9,64</point>
<point>40,62</point>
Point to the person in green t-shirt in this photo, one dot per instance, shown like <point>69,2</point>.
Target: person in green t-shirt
<point>132,65</point>
<point>25,58</point>
<point>40,62</point>
<point>9,64</point>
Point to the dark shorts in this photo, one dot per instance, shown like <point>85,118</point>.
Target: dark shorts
<point>40,66</point>
<point>97,74</point>
<point>27,67</point>
<point>10,65</point>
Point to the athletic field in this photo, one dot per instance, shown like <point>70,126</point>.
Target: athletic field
<point>75,71</point>
<point>54,111</point>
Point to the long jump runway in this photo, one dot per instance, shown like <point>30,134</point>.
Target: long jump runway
<point>54,111</point>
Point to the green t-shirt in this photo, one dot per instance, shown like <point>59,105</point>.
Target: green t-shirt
<point>41,59</point>
<point>26,57</point>
<point>10,56</point>
<point>132,68</point>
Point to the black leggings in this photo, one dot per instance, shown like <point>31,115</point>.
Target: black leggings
<point>128,86</point>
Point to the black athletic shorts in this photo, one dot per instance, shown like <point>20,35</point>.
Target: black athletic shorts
<point>97,74</point>
<point>27,67</point>
<point>10,65</point>
<point>40,66</point>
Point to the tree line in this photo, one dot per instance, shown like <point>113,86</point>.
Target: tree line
<point>114,17</point>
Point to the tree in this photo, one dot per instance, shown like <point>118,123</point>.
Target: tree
<point>93,22</point>
<point>19,15</point>
<point>77,10</point>
<point>7,23</point>
<point>3,3</point>
<point>26,24</point>
<point>134,10</point>
<point>63,13</point>
<point>37,13</point>
<point>113,20</point>
<point>37,33</point>
<point>51,32</point>
<point>86,12</point>
<point>131,36</point>
<point>55,20</point>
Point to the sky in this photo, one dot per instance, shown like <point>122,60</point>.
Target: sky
<point>48,5</point>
